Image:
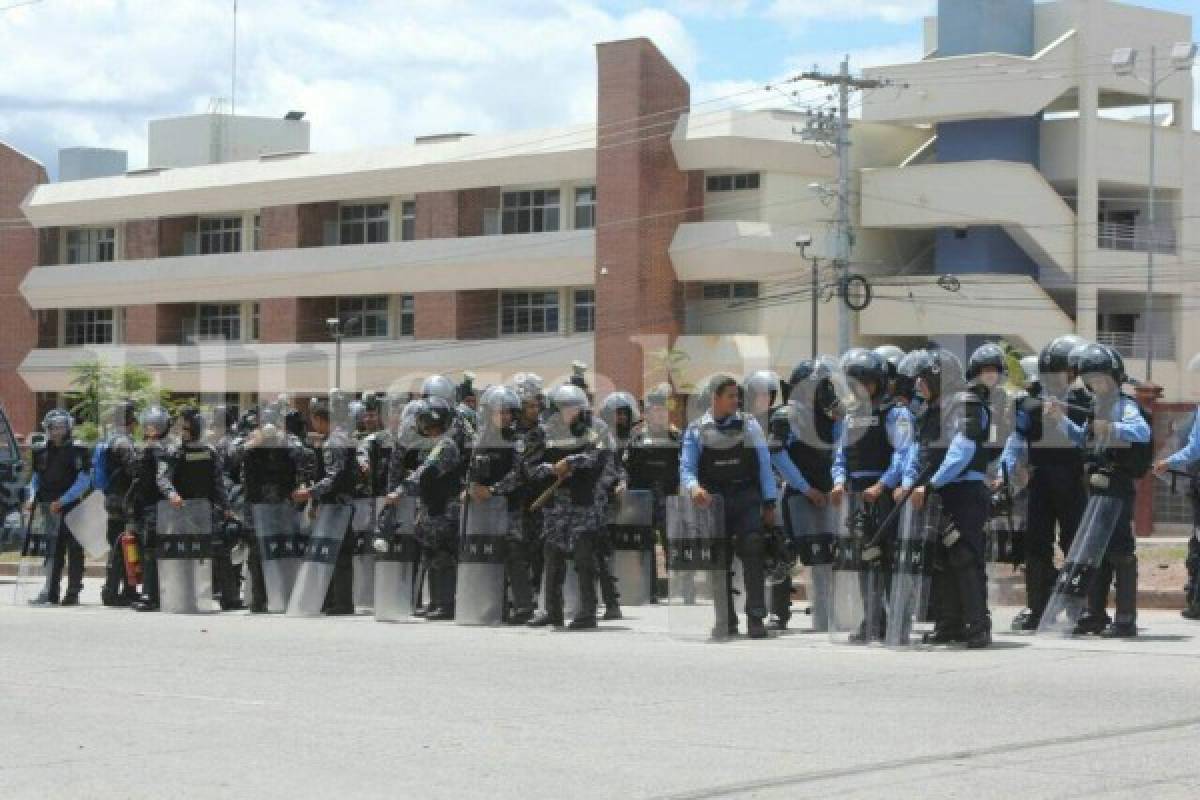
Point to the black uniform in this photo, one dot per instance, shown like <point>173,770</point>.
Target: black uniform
<point>494,464</point>
<point>336,484</point>
<point>57,467</point>
<point>1057,494</point>
<point>121,461</point>
<point>151,483</point>
<point>437,481</point>
<point>652,462</point>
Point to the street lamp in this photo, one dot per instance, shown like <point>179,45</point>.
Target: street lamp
<point>1124,63</point>
<point>338,332</point>
<point>803,242</point>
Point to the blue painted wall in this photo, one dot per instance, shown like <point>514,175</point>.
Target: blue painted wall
<point>985,26</point>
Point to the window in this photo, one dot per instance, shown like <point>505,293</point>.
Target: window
<point>730,291</point>
<point>220,235</point>
<point>530,212</point>
<point>363,317</point>
<point>89,326</point>
<point>364,224</point>
<point>91,245</point>
<point>255,324</point>
<point>585,207</point>
<point>732,183</point>
<point>408,221</point>
<point>258,232</point>
<point>408,315</point>
<point>219,321</point>
<point>528,312</point>
<point>585,310</point>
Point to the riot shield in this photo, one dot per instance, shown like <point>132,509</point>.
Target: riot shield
<point>813,534</point>
<point>184,550</point>
<point>320,557</point>
<point>481,550</point>
<point>88,523</point>
<point>362,527</point>
<point>917,539</point>
<point>698,562</point>
<point>396,567</point>
<point>631,531</point>
<point>1079,571</point>
<point>32,585</point>
<point>280,549</point>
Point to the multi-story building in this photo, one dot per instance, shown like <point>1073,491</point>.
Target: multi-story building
<point>999,190</point>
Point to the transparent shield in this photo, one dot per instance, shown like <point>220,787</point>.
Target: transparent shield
<point>631,532</point>
<point>184,551</point>
<point>813,531</point>
<point>1075,579</point>
<point>33,569</point>
<point>88,523</point>
<point>316,571</point>
<point>908,601</point>
<point>363,526</point>
<point>849,589</point>
<point>480,590</point>
<point>280,550</point>
<point>396,566</point>
<point>698,570</point>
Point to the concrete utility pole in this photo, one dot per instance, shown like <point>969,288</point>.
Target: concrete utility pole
<point>835,129</point>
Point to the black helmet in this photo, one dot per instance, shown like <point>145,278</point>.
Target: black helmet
<point>906,373</point>
<point>294,422</point>
<point>1055,357</point>
<point>942,372</point>
<point>812,385</point>
<point>865,365</point>
<point>763,383</point>
<point>248,421</point>
<point>616,402</point>
<point>58,418</point>
<point>434,411</point>
<point>193,422</point>
<point>155,418</point>
<point>1095,359</point>
<point>891,356</point>
<point>988,356</point>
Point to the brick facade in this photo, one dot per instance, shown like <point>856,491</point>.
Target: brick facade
<point>642,197</point>
<point>290,319</point>
<point>20,251</point>
<point>463,314</point>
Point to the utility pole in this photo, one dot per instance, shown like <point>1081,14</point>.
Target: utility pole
<point>835,129</point>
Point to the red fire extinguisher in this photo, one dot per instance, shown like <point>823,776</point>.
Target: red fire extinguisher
<point>133,558</point>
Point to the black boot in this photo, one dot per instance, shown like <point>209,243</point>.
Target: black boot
<point>1095,619</point>
<point>755,628</point>
<point>543,619</point>
<point>1124,624</point>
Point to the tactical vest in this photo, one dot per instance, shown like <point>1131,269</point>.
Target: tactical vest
<point>145,481</point>
<point>727,460</point>
<point>57,467</point>
<point>967,408</point>
<point>653,462</point>
<point>437,490</point>
<point>1048,446</point>
<point>120,473</point>
<point>269,474</point>
<point>867,446</point>
<point>1125,462</point>
<point>196,471</point>
<point>581,483</point>
<point>811,448</point>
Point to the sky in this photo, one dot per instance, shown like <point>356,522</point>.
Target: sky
<point>379,72</point>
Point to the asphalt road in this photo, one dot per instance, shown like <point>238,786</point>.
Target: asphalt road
<point>99,702</point>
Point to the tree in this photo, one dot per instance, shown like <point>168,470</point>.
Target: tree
<point>98,386</point>
<point>1013,356</point>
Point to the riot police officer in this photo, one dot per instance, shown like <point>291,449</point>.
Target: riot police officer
<point>1056,482</point>
<point>725,453</point>
<point>337,476</point>
<point>950,458</point>
<point>620,415</point>
<point>802,439</point>
<point>652,457</point>
<point>868,465</point>
<point>437,482</point>
<point>151,483</point>
<point>120,458</point>
<point>571,453</point>
<point>1187,459</point>
<point>1118,452</point>
<point>527,426</point>
<point>493,472</point>
<point>892,356</point>
<point>61,475</point>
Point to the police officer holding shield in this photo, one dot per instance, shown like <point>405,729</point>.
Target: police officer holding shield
<point>652,457</point>
<point>725,453</point>
<point>61,474</point>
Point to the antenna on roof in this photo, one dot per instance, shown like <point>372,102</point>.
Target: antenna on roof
<point>233,77</point>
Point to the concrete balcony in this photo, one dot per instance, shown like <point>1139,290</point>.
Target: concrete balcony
<point>215,367</point>
<point>988,85</point>
<point>1012,306</point>
<point>564,258</point>
<point>1012,195</point>
<point>1122,153</point>
<point>734,250</point>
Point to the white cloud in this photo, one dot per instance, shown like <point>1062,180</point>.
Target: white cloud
<point>368,73</point>
<point>891,11</point>
<point>716,9</point>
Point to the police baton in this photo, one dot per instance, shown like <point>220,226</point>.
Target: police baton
<point>873,549</point>
<point>545,496</point>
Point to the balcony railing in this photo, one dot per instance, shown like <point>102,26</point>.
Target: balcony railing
<point>1138,238</point>
<point>193,332</point>
<point>1134,345</point>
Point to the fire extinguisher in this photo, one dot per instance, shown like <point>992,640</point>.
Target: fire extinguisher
<point>133,558</point>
